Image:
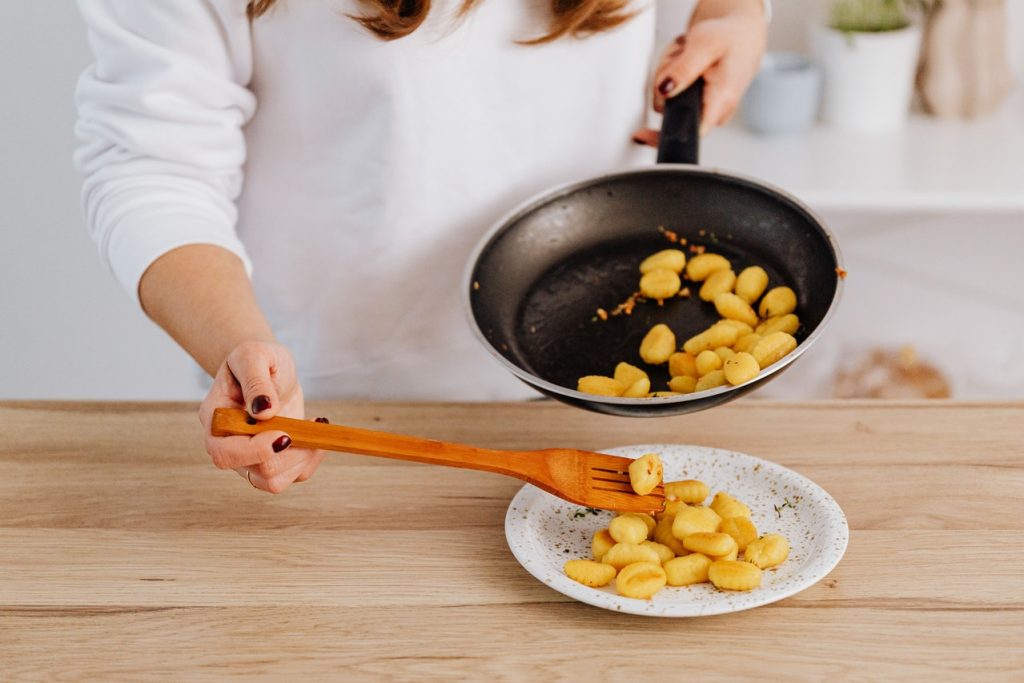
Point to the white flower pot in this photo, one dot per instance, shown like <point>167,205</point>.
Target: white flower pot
<point>869,77</point>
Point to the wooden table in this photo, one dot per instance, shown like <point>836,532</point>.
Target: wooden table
<point>125,555</point>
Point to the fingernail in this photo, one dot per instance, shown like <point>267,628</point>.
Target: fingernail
<point>681,39</point>
<point>260,403</point>
<point>282,443</point>
<point>638,141</point>
<point>322,420</point>
<point>667,86</point>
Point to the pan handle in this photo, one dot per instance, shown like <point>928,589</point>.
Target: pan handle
<point>680,126</point>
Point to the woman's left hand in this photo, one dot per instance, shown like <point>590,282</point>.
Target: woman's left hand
<point>724,44</point>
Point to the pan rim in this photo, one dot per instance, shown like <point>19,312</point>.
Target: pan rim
<point>552,194</point>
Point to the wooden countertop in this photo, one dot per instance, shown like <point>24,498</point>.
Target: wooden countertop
<point>124,554</point>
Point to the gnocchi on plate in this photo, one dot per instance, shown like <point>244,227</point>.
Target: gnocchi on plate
<point>693,541</point>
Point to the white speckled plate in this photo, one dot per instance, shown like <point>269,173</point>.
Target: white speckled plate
<point>544,531</point>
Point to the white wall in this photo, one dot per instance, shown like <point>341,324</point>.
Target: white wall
<point>66,330</point>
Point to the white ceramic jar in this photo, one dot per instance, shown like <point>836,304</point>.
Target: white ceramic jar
<point>869,77</point>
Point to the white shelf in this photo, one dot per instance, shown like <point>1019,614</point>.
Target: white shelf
<point>930,164</point>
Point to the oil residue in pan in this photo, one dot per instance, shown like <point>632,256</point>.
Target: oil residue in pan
<point>559,337</point>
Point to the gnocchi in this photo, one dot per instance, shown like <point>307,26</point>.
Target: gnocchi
<point>627,529</point>
<point>672,507</point>
<point>638,389</point>
<point>711,338</point>
<point>667,259</point>
<point>693,520</point>
<point>732,555</point>
<point>713,379</point>
<point>640,580</point>
<point>732,307</point>
<point>746,342</point>
<point>648,521</point>
<point>768,551</point>
<point>751,283</point>
<point>787,323</point>
<point>708,361</point>
<point>658,344</point>
<point>741,327</point>
<point>683,384</point>
<point>600,386</point>
<point>772,348</point>
<point>701,266</point>
<point>725,353</point>
<point>660,283</point>
<point>589,573</point>
<point>689,491</point>
<point>688,544</point>
<point>726,506</point>
<point>664,552</point>
<point>686,571</point>
<point>601,544</point>
<point>745,339</point>
<point>663,535</point>
<point>741,529</point>
<point>645,473</point>
<point>718,282</point>
<point>741,367</point>
<point>710,543</point>
<point>778,301</point>
<point>622,554</point>
<point>734,576</point>
<point>682,364</point>
<point>628,374</point>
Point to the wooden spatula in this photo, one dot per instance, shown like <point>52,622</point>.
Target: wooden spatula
<point>591,479</point>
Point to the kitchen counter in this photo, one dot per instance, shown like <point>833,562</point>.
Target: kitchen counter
<point>928,165</point>
<point>124,554</point>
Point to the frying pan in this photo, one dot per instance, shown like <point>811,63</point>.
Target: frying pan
<point>537,278</point>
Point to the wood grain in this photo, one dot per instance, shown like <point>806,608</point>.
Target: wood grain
<point>132,558</point>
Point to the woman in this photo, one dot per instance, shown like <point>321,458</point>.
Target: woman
<point>378,141</point>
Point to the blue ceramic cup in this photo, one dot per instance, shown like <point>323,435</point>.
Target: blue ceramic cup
<point>784,96</point>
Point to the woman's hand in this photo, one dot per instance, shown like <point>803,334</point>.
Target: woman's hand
<point>259,377</point>
<point>724,44</point>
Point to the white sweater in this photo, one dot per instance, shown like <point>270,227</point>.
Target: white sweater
<point>352,175</point>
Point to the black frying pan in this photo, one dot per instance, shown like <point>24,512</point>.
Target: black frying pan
<point>539,276</point>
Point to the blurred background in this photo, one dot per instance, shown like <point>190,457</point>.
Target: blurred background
<point>906,136</point>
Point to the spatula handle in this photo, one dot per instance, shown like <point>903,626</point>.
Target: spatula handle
<point>309,434</point>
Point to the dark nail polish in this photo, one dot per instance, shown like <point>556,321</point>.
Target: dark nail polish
<point>260,403</point>
<point>282,443</point>
<point>667,86</point>
<point>638,141</point>
<point>681,39</point>
<point>250,420</point>
<point>322,420</point>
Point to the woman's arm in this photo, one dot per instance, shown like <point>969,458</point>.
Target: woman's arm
<point>160,116</point>
<point>201,296</point>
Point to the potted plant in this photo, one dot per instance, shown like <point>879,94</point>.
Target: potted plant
<point>868,51</point>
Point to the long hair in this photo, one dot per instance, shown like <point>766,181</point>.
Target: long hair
<point>391,19</point>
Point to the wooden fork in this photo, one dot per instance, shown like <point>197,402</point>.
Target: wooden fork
<point>591,479</point>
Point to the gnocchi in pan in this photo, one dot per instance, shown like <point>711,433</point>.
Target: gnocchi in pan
<point>758,327</point>
<point>693,541</point>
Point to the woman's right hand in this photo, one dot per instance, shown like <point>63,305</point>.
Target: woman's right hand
<point>260,378</point>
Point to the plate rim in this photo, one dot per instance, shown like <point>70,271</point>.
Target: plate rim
<point>590,596</point>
